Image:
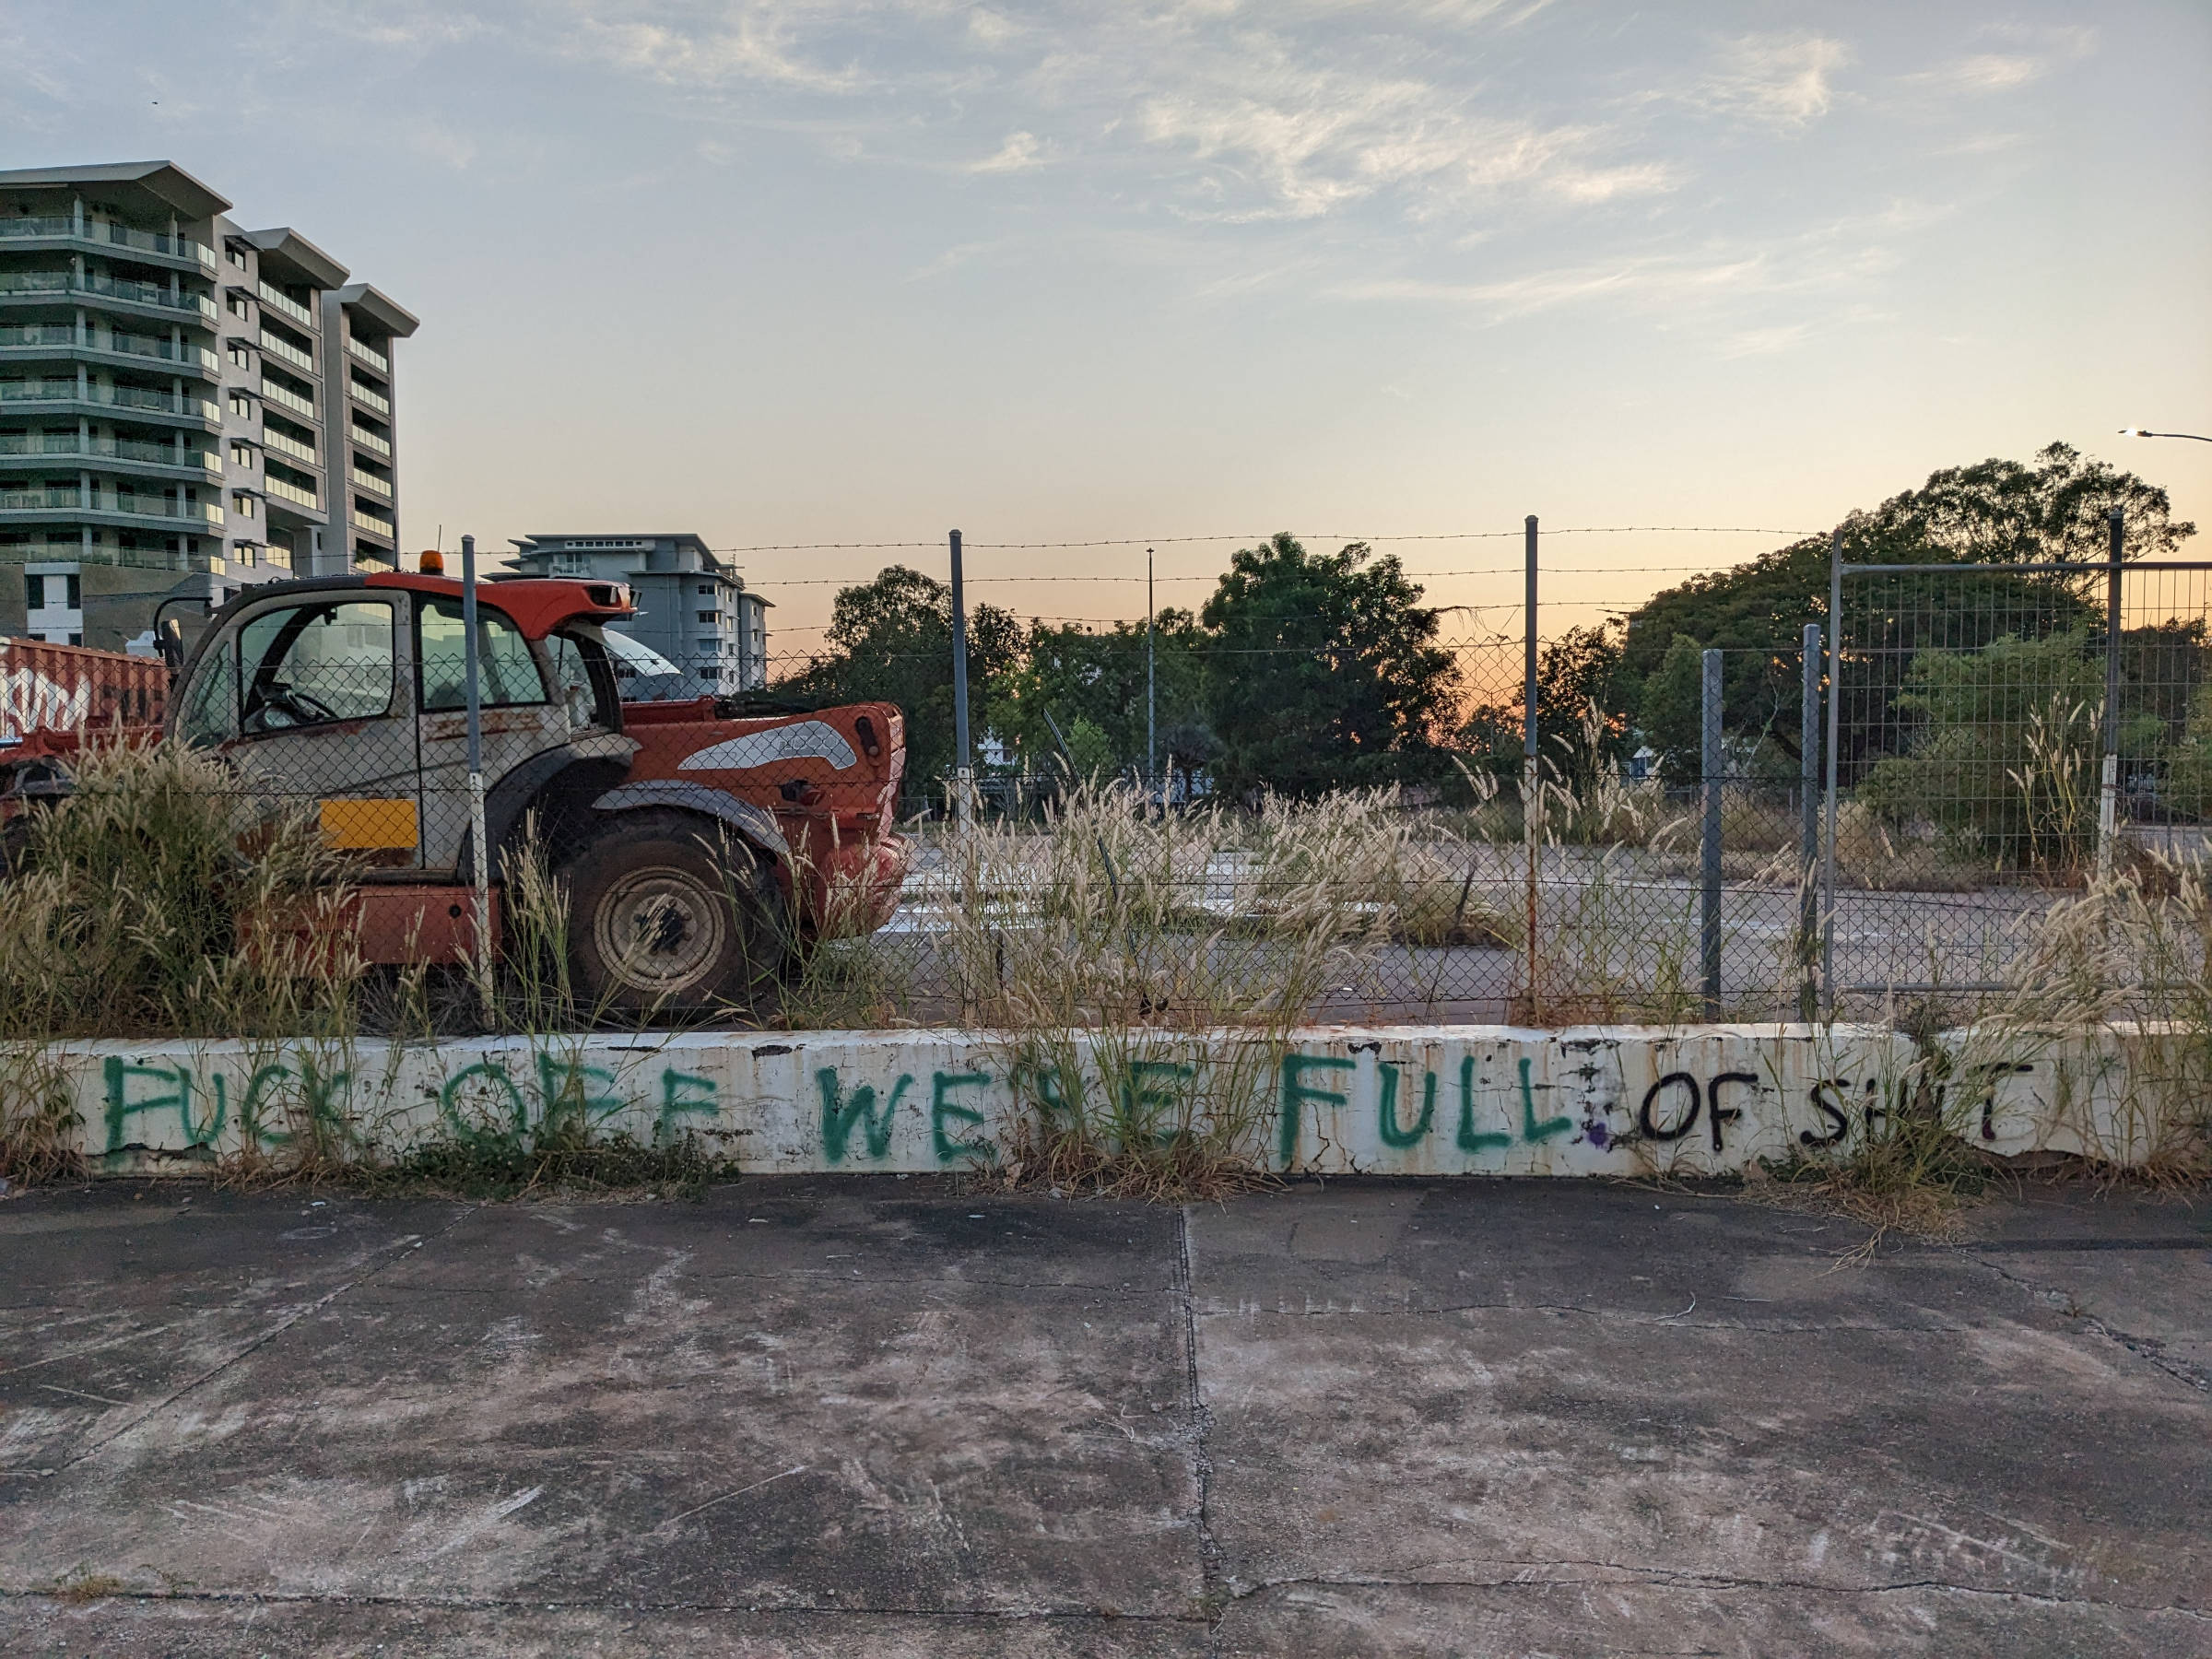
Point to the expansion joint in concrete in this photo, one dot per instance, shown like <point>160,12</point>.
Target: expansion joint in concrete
<point>1553,1575</point>
<point>1202,1423</point>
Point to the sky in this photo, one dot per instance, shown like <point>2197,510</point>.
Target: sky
<point>793,272</point>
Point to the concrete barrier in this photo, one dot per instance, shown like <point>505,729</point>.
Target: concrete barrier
<point>1402,1099</point>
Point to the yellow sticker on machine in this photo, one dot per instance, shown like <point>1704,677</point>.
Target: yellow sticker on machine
<point>363,824</point>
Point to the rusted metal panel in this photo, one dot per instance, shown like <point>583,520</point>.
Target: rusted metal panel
<point>70,689</point>
<point>410,923</point>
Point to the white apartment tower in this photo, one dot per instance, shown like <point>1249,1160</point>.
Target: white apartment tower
<point>186,406</point>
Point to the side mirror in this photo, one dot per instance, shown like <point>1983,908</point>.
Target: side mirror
<point>170,640</point>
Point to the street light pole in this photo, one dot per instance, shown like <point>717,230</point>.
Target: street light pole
<point>2140,432</point>
<point>1151,698</point>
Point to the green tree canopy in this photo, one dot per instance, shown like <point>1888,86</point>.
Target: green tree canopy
<point>1323,671</point>
<point>1098,679</point>
<point>1993,512</point>
<point>892,640</point>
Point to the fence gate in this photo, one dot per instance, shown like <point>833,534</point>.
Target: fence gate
<point>1998,736</point>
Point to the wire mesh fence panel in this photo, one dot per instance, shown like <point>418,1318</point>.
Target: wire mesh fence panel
<point>2000,744</point>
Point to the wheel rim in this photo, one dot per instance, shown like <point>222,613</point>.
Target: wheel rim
<point>659,931</point>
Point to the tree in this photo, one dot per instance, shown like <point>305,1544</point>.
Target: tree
<point>1994,511</point>
<point>2002,757</point>
<point>1573,671</point>
<point>890,640</point>
<point>1099,679</point>
<point>1323,671</point>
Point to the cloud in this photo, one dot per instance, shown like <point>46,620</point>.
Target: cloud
<point>695,45</point>
<point>1781,81</point>
<point>1018,153</point>
<point>2032,55</point>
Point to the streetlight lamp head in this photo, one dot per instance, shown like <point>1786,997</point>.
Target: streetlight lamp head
<point>2133,432</point>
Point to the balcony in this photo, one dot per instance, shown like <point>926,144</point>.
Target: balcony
<point>370,398</point>
<point>284,491</point>
<point>277,299</point>
<point>284,444</point>
<point>70,498</point>
<point>63,392</point>
<point>111,235</point>
<point>369,480</point>
<point>284,397</point>
<point>62,336</point>
<point>369,440</point>
<point>75,552</point>
<point>277,345</point>
<point>375,522</point>
<point>110,287</point>
<point>109,449</point>
<point>370,355</point>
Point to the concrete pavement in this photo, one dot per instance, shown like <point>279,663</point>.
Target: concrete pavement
<point>878,1416</point>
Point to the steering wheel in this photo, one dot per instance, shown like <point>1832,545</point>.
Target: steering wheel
<point>305,706</point>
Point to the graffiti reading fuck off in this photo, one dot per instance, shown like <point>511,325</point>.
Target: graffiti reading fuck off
<point>1458,1100</point>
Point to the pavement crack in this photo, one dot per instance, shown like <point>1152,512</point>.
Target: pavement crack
<point>399,1252</point>
<point>2193,1376</point>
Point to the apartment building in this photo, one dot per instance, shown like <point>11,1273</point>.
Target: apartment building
<point>692,608</point>
<point>187,406</point>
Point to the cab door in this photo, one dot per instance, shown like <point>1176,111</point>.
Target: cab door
<point>310,700</point>
<point>520,717</point>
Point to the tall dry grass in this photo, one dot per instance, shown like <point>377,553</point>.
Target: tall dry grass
<point>1111,952</point>
<point>153,902</point>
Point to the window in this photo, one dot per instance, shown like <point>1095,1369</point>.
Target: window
<point>709,616</point>
<point>76,639</point>
<point>242,505</point>
<point>241,405</point>
<point>211,712</point>
<point>236,305</point>
<point>506,673</point>
<point>308,664</point>
<point>34,593</point>
<point>240,357</point>
<point>76,595</point>
<point>587,684</point>
<point>242,454</point>
<point>238,256</point>
<point>706,590</point>
<point>279,556</point>
<point>244,552</point>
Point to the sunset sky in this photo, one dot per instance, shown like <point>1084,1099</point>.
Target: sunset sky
<point>797,271</point>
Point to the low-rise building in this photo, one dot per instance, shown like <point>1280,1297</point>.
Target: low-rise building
<point>692,608</point>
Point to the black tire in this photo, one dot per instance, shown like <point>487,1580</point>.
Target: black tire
<point>668,910</point>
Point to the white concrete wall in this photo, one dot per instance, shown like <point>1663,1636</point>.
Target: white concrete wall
<point>1408,1099</point>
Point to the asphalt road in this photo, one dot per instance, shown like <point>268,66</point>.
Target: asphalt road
<point>822,1416</point>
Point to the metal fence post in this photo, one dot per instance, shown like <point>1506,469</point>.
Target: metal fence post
<point>963,760</point>
<point>1835,705</point>
<point>1808,821</point>
<point>2107,794</point>
<point>1709,906</point>
<point>473,690</point>
<point>1532,781</point>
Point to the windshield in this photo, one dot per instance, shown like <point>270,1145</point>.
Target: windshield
<point>632,658</point>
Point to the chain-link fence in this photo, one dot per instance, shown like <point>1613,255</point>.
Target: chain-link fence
<point>1758,830</point>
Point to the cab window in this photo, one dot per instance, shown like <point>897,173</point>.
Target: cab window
<point>311,664</point>
<point>506,673</point>
<point>586,681</point>
<point>210,715</point>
